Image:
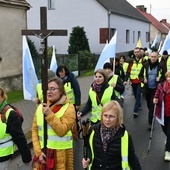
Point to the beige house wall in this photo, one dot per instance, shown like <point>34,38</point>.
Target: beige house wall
<point>12,21</point>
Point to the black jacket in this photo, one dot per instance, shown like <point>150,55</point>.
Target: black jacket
<point>146,67</point>
<point>111,159</point>
<point>76,88</point>
<point>15,130</point>
<point>87,108</point>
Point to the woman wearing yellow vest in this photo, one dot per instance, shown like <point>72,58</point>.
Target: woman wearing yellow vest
<point>100,93</point>
<point>110,145</point>
<point>11,134</point>
<point>60,117</point>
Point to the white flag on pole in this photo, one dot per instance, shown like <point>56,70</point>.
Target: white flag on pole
<point>107,53</point>
<point>155,41</point>
<point>30,79</point>
<point>53,65</point>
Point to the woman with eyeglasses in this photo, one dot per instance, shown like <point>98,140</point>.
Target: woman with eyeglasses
<point>110,145</point>
<point>60,117</point>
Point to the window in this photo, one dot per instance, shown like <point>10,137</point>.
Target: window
<point>51,4</point>
<point>147,36</point>
<point>139,34</point>
<point>133,36</point>
<point>127,36</point>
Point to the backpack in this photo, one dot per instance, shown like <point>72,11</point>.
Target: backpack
<point>8,106</point>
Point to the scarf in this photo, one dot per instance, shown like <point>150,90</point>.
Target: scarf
<point>97,87</point>
<point>153,65</point>
<point>4,102</point>
<point>107,135</point>
<point>166,87</point>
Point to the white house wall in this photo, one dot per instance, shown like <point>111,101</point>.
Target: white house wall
<point>84,13</point>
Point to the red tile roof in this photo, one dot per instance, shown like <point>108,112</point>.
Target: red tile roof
<point>155,22</point>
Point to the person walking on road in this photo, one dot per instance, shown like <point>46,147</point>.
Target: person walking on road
<point>60,116</point>
<point>110,145</point>
<point>100,92</point>
<point>133,71</point>
<point>162,101</point>
<point>151,74</point>
<point>11,134</point>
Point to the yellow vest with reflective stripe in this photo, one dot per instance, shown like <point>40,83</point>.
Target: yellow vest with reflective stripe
<point>40,92</point>
<point>97,109</point>
<point>53,140</point>
<point>114,80</point>
<point>6,142</point>
<point>69,92</point>
<point>135,70</point>
<point>124,150</point>
<point>168,64</point>
<point>125,67</point>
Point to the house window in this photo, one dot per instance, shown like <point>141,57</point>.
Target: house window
<point>104,34</point>
<point>51,4</point>
<point>147,37</point>
<point>133,36</point>
<point>139,35</point>
<point>127,36</point>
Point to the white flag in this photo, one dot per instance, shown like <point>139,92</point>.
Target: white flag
<point>155,41</point>
<point>107,53</point>
<point>30,79</point>
<point>166,45</point>
<point>53,65</point>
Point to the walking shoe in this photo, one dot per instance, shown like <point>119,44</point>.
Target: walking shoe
<point>167,156</point>
<point>135,115</point>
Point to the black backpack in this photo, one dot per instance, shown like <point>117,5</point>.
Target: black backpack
<point>8,106</point>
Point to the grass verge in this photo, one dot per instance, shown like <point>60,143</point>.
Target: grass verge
<point>15,96</point>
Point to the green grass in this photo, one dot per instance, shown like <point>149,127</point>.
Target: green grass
<point>88,73</point>
<point>15,96</point>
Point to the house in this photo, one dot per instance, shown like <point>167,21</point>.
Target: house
<point>100,19</point>
<point>12,21</point>
<point>160,29</point>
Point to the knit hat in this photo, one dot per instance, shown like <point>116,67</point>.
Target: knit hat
<point>165,52</point>
<point>51,74</point>
<point>107,65</point>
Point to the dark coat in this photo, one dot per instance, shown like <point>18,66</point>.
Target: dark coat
<point>87,108</point>
<point>111,159</point>
<point>15,130</point>
<point>76,88</point>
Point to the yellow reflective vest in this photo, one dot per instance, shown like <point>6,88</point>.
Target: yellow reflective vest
<point>40,92</point>
<point>124,150</point>
<point>97,109</point>
<point>7,146</point>
<point>69,92</point>
<point>53,140</point>
<point>114,80</point>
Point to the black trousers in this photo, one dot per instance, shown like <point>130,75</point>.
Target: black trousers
<point>149,95</point>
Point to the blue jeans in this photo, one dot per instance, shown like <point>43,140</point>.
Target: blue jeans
<point>137,90</point>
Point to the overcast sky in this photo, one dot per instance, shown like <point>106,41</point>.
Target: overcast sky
<point>160,9</point>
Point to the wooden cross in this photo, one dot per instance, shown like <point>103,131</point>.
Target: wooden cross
<point>43,34</point>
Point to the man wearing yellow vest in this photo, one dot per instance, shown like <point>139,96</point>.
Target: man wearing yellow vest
<point>11,134</point>
<point>133,71</point>
<point>110,146</point>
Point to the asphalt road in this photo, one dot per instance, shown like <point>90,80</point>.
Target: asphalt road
<point>138,128</point>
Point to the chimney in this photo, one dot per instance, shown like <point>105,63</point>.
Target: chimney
<point>163,20</point>
<point>141,8</point>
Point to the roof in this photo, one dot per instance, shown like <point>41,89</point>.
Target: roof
<point>20,3</point>
<point>154,22</point>
<point>122,7</point>
<point>163,21</point>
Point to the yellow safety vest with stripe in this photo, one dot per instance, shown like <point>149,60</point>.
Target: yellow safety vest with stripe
<point>40,92</point>
<point>97,109</point>
<point>135,70</point>
<point>69,92</point>
<point>125,67</point>
<point>114,80</point>
<point>7,146</point>
<point>124,150</point>
<point>167,62</point>
<point>53,140</point>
